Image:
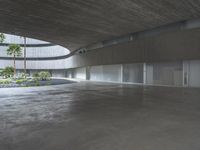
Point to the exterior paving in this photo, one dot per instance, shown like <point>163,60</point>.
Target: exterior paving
<point>99,116</point>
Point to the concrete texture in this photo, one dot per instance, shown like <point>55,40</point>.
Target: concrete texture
<point>170,46</point>
<point>99,116</point>
<point>77,23</point>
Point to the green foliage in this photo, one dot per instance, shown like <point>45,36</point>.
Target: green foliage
<point>36,76</point>
<point>15,50</point>
<point>44,75</point>
<point>2,37</point>
<point>23,75</point>
<point>5,81</point>
<point>37,83</point>
<point>20,81</point>
<point>1,72</point>
<point>8,72</point>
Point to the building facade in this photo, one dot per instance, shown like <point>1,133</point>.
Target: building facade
<point>167,55</point>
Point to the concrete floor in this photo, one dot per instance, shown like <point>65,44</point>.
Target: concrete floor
<point>99,116</point>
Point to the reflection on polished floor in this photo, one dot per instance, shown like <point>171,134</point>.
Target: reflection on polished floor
<point>99,116</point>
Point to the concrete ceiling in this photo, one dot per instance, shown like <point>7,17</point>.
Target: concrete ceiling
<point>77,23</point>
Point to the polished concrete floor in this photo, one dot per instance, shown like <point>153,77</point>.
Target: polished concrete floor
<point>99,116</point>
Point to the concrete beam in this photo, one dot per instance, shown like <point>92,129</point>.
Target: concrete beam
<point>76,24</point>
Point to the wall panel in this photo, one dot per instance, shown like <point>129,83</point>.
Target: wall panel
<point>165,74</point>
<point>109,73</point>
<point>80,73</point>
<point>133,73</point>
<point>58,73</point>
<point>194,73</point>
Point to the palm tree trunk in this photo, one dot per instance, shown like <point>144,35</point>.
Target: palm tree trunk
<point>14,67</point>
<point>24,54</point>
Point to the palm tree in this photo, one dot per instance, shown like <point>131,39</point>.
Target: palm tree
<point>2,37</point>
<point>24,54</point>
<point>24,38</point>
<point>14,50</point>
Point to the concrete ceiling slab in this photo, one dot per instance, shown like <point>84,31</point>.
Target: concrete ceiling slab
<point>77,23</point>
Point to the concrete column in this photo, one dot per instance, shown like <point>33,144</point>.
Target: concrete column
<point>185,73</point>
<point>88,73</point>
<point>122,75</point>
<point>144,73</point>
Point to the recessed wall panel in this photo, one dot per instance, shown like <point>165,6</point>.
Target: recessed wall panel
<point>165,74</point>
<point>109,73</point>
<point>58,73</point>
<point>80,73</point>
<point>133,73</point>
<point>194,73</point>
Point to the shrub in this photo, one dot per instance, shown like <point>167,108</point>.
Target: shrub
<point>36,76</point>
<point>44,75</point>
<point>5,81</point>
<point>23,75</point>
<point>2,37</point>
<point>1,72</point>
<point>20,81</point>
<point>8,72</point>
<point>37,83</point>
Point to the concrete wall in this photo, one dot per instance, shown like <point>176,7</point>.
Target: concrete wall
<point>172,46</point>
<point>165,73</point>
<point>80,73</point>
<point>171,59</point>
<point>192,73</point>
<point>168,73</point>
<point>110,73</point>
<point>58,73</point>
<point>178,73</point>
<point>133,73</point>
<point>35,49</point>
<point>48,51</point>
<point>53,64</point>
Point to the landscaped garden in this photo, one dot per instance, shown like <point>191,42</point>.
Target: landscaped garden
<point>9,77</point>
<point>41,78</point>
